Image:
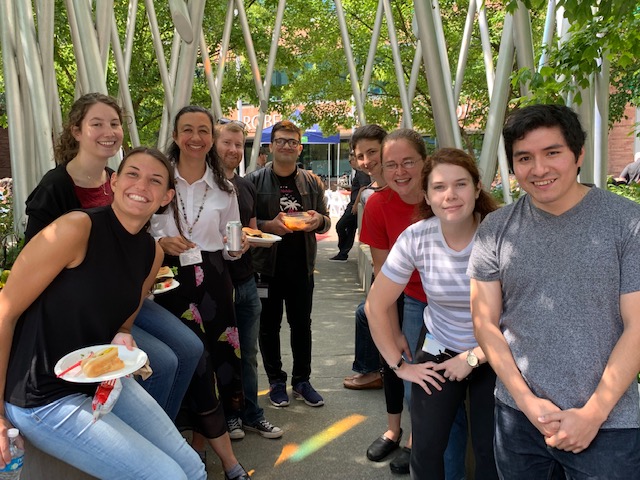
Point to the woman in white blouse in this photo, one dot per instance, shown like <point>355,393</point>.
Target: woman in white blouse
<point>193,238</point>
<point>449,365</point>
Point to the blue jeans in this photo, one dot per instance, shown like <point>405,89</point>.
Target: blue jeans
<point>248,308</point>
<point>137,440</point>
<point>173,350</point>
<point>520,450</point>
<point>367,357</point>
<point>412,323</point>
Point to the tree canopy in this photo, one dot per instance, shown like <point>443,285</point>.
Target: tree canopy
<point>311,69</point>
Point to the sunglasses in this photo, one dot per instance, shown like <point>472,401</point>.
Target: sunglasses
<point>225,121</point>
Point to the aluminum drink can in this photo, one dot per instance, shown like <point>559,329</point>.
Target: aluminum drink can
<point>234,236</point>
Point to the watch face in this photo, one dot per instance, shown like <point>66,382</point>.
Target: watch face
<point>472,360</point>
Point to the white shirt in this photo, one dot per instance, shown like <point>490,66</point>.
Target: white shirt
<point>209,228</point>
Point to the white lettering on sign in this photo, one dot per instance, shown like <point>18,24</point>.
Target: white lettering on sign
<point>269,120</point>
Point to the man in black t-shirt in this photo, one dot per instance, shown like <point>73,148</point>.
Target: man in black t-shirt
<point>287,267</point>
<point>229,144</point>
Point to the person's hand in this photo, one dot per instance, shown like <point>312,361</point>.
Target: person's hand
<point>276,225</point>
<point>577,429</point>
<point>244,246</point>
<point>125,339</point>
<point>535,408</point>
<point>175,245</point>
<point>403,345</point>
<point>455,369</point>
<point>5,453</point>
<point>422,374</point>
<point>313,223</point>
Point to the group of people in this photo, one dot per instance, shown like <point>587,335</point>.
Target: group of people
<point>536,300</point>
<point>87,223</point>
<point>530,322</point>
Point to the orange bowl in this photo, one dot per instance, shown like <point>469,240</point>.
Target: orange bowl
<point>296,220</point>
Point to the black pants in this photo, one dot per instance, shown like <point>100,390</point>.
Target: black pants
<point>393,385</point>
<point>346,230</point>
<point>296,293</point>
<point>432,417</point>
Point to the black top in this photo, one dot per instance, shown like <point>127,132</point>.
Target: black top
<point>54,196</point>
<point>360,179</point>
<point>242,269</point>
<point>83,306</point>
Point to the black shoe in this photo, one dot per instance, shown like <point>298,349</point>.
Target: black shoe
<point>243,476</point>
<point>382,447</point>
<point>400,464</point>
<point>339,258</point>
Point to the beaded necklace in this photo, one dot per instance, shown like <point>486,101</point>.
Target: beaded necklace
<point>184,210</point>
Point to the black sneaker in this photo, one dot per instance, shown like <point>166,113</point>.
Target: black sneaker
<point>339,258</point>
<point>264,429</point>
<point>278,395</point>
<point>304,391</point>
<point>234,425</point>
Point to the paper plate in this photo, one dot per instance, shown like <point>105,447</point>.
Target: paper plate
<point>133,360</point>
<point>266,239</point>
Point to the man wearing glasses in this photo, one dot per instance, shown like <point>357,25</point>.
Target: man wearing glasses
<point>287,268</point>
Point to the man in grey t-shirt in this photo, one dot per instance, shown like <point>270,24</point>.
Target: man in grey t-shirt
<point>555,299</point>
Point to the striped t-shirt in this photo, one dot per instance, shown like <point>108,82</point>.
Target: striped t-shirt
<point>443,272</point>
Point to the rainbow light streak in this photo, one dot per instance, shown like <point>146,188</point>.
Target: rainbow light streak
<point>295,453</point>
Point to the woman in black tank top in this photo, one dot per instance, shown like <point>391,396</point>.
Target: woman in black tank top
<point>78,283</point>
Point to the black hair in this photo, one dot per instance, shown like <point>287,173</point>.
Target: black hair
<point>173,152</point>
<point>530,118</point>
<point>287,126</point>
<point>367,132</point>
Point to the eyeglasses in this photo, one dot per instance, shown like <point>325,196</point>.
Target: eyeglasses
<point>407,165</point>
<point>291,142</point>
<point>225,121</point>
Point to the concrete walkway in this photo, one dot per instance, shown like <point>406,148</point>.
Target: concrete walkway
<point>328,442</point>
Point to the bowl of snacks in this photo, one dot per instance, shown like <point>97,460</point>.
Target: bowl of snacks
<point>296,220</point>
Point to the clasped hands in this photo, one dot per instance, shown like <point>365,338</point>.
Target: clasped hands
<point>571,430</point>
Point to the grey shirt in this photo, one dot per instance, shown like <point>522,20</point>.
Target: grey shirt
<point>562,277</point>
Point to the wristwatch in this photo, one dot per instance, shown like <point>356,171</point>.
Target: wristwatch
<point>397,365</point>
<point>472,359</point>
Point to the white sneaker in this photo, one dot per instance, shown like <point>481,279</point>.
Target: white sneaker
<point>234,425</point>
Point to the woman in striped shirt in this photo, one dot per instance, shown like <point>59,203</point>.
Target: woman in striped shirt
<point>448,361</point>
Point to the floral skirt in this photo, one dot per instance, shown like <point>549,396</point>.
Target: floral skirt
<point>204,302</point>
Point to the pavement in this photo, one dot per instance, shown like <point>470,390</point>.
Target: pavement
<point>328,442</point>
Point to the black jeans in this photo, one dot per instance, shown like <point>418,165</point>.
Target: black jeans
<point>295,293</point>
<point>346,230</point>
<point>433,415</point>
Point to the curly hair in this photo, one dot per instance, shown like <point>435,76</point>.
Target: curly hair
<point>173,151</point>
<point>66,146</point>
<point>485,203</point>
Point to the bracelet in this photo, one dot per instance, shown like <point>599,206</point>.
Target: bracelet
<point>397,365</point>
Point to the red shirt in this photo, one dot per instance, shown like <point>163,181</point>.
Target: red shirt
<point>385,217</point>
<point>94,197</point>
